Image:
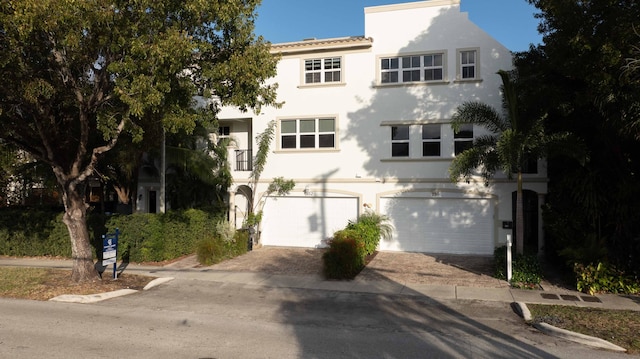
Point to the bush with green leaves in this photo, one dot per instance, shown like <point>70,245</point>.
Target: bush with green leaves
<point>150,237</point>
<point>605,278</point>
<point>223,244</point>
<point>27,231</point>
<point>345,257</point>
<point>526,271</point>
<point>371,227</point>
<point>144,237</point>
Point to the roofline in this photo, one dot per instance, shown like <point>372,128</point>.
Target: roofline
<point>410,5</point>
<point>317,45</point>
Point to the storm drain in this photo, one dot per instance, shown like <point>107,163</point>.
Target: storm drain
<point>571,298</point>
<point>590,299</point>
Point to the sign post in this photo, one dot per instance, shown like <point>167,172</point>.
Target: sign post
<point>110,250</point>
<point>509,271</point>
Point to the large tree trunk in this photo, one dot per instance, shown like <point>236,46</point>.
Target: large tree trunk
<point>519,217</point>
<point>76,221</point>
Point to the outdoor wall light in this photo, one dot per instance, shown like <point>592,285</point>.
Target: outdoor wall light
<point>307,191</point>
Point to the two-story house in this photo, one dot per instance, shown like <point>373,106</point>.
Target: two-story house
<point>365,125</point>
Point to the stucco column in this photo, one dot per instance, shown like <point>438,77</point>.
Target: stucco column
<point>541,197</point>
<point>232,208</point>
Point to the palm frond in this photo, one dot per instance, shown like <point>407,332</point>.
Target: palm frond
<point>481,114</point>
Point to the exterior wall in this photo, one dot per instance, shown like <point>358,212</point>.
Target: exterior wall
<point>361,165</point>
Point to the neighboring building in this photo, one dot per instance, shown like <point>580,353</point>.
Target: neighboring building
<point>366,124</point>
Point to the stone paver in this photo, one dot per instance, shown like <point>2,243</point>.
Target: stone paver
<point>399,268</point>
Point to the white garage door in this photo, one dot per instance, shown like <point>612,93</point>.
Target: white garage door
<point>305,221</point>
<point>439,225</point>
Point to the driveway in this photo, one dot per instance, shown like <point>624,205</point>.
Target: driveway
<point>437,269</point>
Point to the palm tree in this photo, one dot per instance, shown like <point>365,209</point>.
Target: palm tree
<point>513,141</point>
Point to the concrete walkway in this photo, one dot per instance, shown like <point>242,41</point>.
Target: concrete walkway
<point>187,269</point>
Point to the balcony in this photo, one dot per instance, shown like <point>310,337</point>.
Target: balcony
<point>244,160</point>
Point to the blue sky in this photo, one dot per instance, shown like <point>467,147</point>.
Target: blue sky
<point>511,22</point>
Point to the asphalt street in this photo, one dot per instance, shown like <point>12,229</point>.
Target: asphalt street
<point>188,318</point>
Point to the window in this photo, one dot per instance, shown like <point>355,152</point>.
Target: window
<point>313,133</point>
<point>433,67</point>
<point>468,61</point>
<point>463,139</point>
<point>415,68</point>
<point>530,164</point>
<point>326,70</point>
<point>389,68</point>
<point>223,133</point>
<point>411,68</point>
<point>430,140</point>
<point>400,141</point>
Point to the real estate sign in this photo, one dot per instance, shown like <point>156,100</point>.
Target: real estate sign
<point>110,250</point>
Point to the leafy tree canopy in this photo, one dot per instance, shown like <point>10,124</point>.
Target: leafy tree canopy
<point>585,80</point>
<point>76,74</point>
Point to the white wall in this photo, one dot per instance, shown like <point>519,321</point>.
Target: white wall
<point>362,166</point>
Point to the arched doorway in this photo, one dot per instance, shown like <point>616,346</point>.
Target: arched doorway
<point>530,207</point>
<point>240,205</point>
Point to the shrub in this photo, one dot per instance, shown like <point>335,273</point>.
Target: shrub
<point>27,231</point>
<point>345,257</point>
<point>143,237</point>
<point>216,248</point>
<point>157,237</point>
<point>370,227</point>
<point>526,271</point>
<point>605,278</point>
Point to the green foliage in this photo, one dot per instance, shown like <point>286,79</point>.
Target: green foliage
<point>349,247</point>
<point>516,138</point>
<point>198,174</point>
<point>526,271</point>
<point>605,278</point>
<point>580,80</point>
<point>370,227</point>
<point>143,236</point>
<point>77,74</point>
<point>148,237</point>
<point>280,186</point>
<point>218,247</point>
<point>345,257</point>
<point>33,232</point>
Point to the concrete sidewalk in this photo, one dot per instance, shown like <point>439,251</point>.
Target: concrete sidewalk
<point>187,270</point>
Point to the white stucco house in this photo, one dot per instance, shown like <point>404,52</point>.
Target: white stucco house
<point>365,125</point>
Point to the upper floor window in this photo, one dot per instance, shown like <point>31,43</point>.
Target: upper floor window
<point>463,139</point>
<point>324,70</point>
<point>468,64</point>
<point>400,141</point>
<point>431,140</point>
<point>308,133</point>
<point>223,131</point>
<point>414,68</point>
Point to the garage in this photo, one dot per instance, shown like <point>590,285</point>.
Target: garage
<point>305,221</point>
<point>440,225</point>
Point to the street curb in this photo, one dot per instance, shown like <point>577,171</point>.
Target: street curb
<point>523,311</point>
<point>577,337</point>
<point>94,298</point>
<point>156,282</point>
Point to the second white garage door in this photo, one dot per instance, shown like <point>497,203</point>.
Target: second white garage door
<point>305,221</point>
<point>440,225</point>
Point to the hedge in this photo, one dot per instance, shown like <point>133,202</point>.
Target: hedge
<point>143,237</point>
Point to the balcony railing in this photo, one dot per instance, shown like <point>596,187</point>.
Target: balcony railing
<point>244,160</point>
